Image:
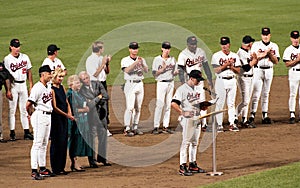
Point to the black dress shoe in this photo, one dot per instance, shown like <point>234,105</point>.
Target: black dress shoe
<point>93,165</point>
<point>3,141</point>
<point>106,164</point>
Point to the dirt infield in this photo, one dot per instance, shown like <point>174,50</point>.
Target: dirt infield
<point>238,154</point>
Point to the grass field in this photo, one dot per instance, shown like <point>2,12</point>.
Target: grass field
<point>74,25</point>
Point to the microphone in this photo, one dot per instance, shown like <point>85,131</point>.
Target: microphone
<point>210,92</point>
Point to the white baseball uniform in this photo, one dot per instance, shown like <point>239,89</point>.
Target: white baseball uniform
<point>187,96</point>
<point>92,63</point>
<point>18,67</point>
<point>194,61</point>
<point>244,81</point>
<point>56,63</point>
<point>225,85</point>
<point>263,76</point>
<point>41,97</point>
<point>164,89</point>
<point>134,91</point>
<point>291,53</point>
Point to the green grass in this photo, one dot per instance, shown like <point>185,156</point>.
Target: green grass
<point>74,25</point>
<point>286,176</point>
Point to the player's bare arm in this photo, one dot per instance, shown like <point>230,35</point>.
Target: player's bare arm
<point>160,71</point>
<point>253,60</point>
<point>272,57</point>
<point>292,63</point>
<point>7,87</point>
<point>182,71</point>
<point>208,73</point>
<point>29,76</point>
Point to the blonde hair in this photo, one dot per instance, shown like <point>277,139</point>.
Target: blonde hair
<point>72,79</point>
<point>56,72</point>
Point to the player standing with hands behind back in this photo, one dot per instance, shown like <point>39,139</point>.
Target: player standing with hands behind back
<point>41,98</point>
<point>133,67</point>
<point>19,66</point>
<point>291,57</point>
<point>268,55</point>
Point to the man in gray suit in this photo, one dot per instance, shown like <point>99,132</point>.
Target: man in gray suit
<point>96,97</point>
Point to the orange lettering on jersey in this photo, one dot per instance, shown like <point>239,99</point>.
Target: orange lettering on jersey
<point>193,96</point>
<point>46,97</point>
<point>294,56</point>
<point>198,60</point>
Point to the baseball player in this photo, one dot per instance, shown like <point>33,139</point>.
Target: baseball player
<point>291,57</point>
<point>133,67</point>
<point>97,66</point>
<point>4,80</point>
<point>41,98</point>
<point>164,69</point>
<point>244,79</point>
<point>183,102</point>
<point>194,58</point>
<point>268,55</point>
<point>52,60</point>
<point>226,65</point>
<point>19,66</point>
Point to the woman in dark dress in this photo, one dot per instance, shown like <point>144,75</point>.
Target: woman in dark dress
<point>78,129</point>
<point>59,125</point>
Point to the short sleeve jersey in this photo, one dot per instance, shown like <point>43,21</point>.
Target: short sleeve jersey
<point>92,64</point>
<point>259,46</point>
<point>192,61</point>
<point>170,66</point>
<point>18,66</point>
<point>187,96</point>
<point>219,58</point>
<point>245,58</point>
<point>53,64</point>
<point>41,96</point>
<point>291,53</point>
<point>137,72</point>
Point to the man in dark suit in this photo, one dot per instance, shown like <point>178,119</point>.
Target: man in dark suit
<point>96,97</point>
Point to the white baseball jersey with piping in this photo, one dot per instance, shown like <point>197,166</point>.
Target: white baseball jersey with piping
<point>191,128</point>
<point>263,76</point>
<point>41,96</point>
<point>18,67</point>
<point>134,91</point>
<point>225,85</point>
<point>164,89</point>
<point>53,64</point>
<point>291,53</point>
<point>194,61</point>
<point>244,81</point>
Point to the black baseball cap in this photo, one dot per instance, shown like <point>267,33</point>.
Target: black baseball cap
<point>52,48</point>
<point>248,39</point>
<point>224,40</point>
<point>133,45</point>
<point>196,74</point>
<point>45,68</point>
<point>15,43</point>
<point>166,45</point>
<point>295,34</point>
<point>265,31</point>
<point>191,40</point>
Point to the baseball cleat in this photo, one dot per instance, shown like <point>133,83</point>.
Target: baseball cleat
<point>36,176</point>
<point>137,132</point>
<point>183,170</point>
<point>167,130</point>
<point>128,133</point>
<point>233,128</point>
<point>266,120</point>
<point>194,168</point>
<point>28,136</point>
<point>46,173</point>
<point>220,129</point>
<point>155,131</point>
<point>292,120</point>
